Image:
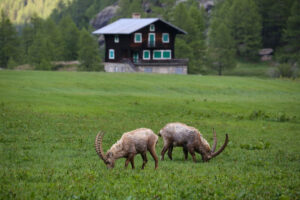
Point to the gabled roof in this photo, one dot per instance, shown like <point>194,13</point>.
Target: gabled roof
<point>130,25</point>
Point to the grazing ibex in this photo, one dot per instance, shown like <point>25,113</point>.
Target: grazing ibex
<point>178,134</point>
<point>131,143</point>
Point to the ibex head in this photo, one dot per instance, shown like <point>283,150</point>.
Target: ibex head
<point>208,153</point>
<point>108,158</point>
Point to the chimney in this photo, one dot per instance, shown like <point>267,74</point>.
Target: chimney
<point>136,15</point>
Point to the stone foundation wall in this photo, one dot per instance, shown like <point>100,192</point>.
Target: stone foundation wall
<point>117,67</point>
<point>124,67</point>
<point>163,69</point>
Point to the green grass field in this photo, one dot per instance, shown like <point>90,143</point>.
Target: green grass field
<point>49,120</point>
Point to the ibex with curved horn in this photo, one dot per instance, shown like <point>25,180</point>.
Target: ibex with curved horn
<point>178,134</point>
<point>138,141</point>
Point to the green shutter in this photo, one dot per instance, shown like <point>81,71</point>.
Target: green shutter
<point>146,54</point>
<point>165,37</point>
<point>138,38</point>
<point>111,54</point>
<point>157,54</point>
<point>166,54</point>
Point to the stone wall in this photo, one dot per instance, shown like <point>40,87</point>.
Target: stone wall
<point>163,69</point>
<point>124,67</point>
<point>117,67</point>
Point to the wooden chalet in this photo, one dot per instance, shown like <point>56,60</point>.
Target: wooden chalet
<point>141,45</point>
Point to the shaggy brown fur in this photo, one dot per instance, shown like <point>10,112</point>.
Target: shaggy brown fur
<point>178,134</point>
<point>138,141</point>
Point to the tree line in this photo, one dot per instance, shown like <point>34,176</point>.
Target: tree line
<point>233,30</point>
<point>42,42</point>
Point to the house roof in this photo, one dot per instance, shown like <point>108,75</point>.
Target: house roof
<point>130,25</point>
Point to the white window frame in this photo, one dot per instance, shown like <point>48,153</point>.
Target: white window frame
<point>111,57</point>
<point>116,39</point>
<point>168,41</point>
<point>162,54</point>
<point>152,27</point>
<point>149,39</point>
<point>144,55</point>
<point>140,37</point>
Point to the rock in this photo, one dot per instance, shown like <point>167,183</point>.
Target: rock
<point>104,16</point>
<point>267,51</point>
<point>207,4</point>
<point>266,54</point>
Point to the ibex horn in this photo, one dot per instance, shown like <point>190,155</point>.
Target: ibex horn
<point>222,148</point>
<point>98,146</point>
<point>215,141</point>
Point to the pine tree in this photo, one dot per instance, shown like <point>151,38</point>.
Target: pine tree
<point>292,34</point>
<point>221,48</point>
<point>70,36</point>
<point>9,42</point>
<point>40,52</point>
<point>27,38</point>
<point>274,19</point>
<point>53,35</point>
<point>198,41</point>
<point>192,45</point>
<point>88,53</point>
<point>245,24</point>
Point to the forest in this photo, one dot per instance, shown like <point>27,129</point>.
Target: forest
<point>232,31</point>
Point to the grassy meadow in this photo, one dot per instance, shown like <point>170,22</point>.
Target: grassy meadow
<point>49,120</point>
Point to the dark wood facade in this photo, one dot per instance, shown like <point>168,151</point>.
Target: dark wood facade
<point>127,47</point>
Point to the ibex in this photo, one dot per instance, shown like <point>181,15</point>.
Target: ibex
<point>131,143</point>
<point>178,134</point>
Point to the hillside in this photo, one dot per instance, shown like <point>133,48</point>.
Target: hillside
<point>49,120</point>
<point>20,11</point>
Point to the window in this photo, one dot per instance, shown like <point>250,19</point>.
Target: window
<point>165,38</point>
<point>151,40</point>
<point>116,39</point>
<point>157,54</point>
<point>161,54</point>
<point>138,38</point>
<point>146,55</point>
<point>152,27</point>
<point>167,54</point>
<point>111,54</point>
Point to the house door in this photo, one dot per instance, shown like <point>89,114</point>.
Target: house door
<point>135,57</point>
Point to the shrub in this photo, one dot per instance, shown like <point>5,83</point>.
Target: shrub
<point>285,70</point>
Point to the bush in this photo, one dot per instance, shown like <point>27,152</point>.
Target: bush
<point>285,70</point>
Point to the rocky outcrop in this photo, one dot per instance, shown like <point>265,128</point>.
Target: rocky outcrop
<point>207,4</point>
<point>103,17</point>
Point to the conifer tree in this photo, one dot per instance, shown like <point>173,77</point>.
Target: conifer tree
<point>292,34</point>
<point>192,45</point>
<point>27,38</point>
<point>53,35</point>
<point>40,52</point>
<point>70,36</point>
<point>9,42</point>
<point>221,48</point>
<point>198,41</point>
<point>245,24</point>
<point>274,19</point>
<point>88,54</point>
